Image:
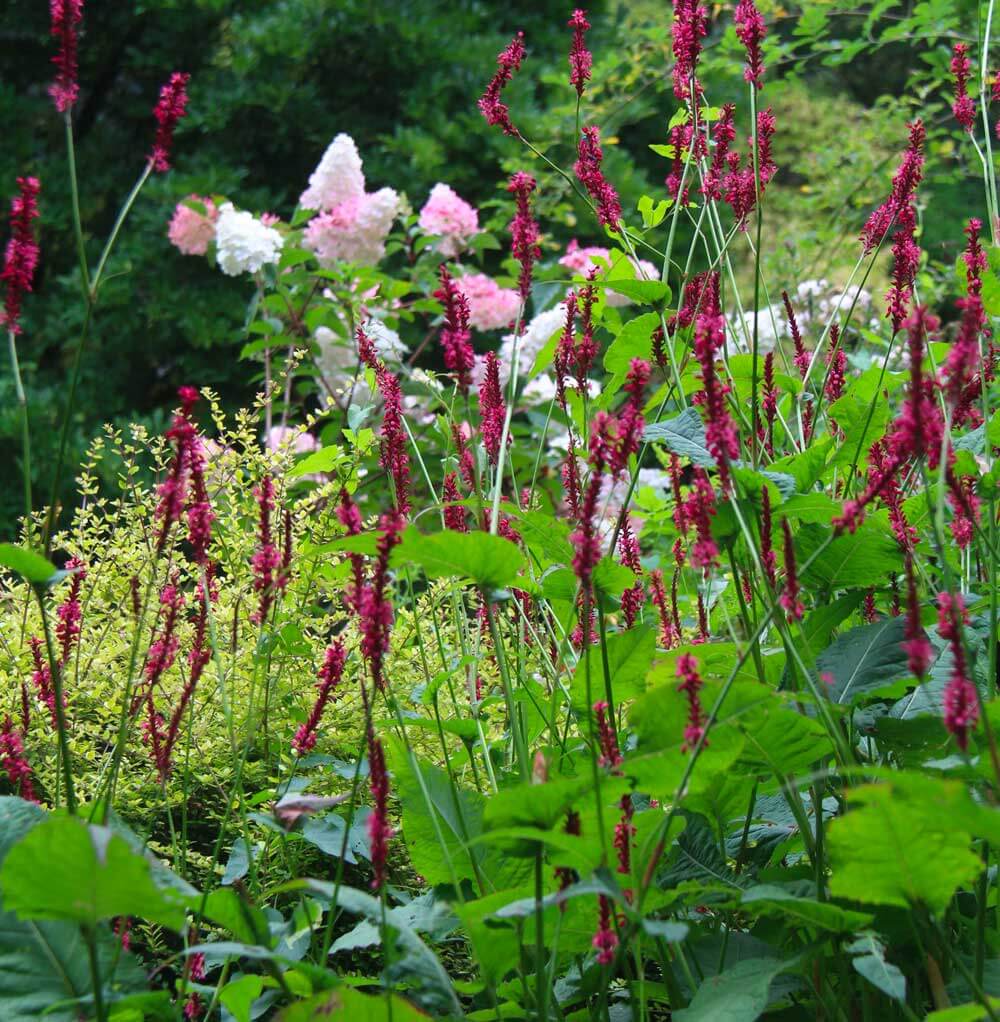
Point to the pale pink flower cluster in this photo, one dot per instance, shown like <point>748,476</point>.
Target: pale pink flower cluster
<point>582,260</point>
<point>192,231</point>
<point>352,224</point>
<point>491,307</point>
<point>449,216</point>
<point>300,442</point>
<point>337,178</point>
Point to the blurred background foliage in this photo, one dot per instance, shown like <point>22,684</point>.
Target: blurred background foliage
<point>274,80</point>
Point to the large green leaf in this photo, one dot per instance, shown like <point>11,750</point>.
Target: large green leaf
<point>866,660</point>
<point>44,964</point>
<point>870,962</point>
<point>26,563</point>
<point>629,656</point>
<point>860,559</point>
<point>347,1005</point>
<point>683,435</point>
<point>890,850</point>
<point>490,561</point>
<point>533,807</point>
<point>634,340</point>
<point>68,870</point>
<point>739,994</point>
<point>771,900</point>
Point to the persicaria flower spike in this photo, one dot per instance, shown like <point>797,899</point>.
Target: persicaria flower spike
<point>580,60</point>
<point>380,831</point>
<point>267,558</point>
<point>375,606</point>
<point>69,612</point>
<point>328,680</point>
<point>690,26</point>
<point>21,256</point>
<point>691,685</point>
<point>459,357</point>
<point>168,111</point>
<point>66,16</point>
<point>454,513</point>
<point>790,599</point>
<point>588,170</point>
<point>13,760</point>
<point>964,107</point>
<point>492,410</point>
<point>960,700</point>
<point>918,647</point>
<point>349,516</point>
<point>524,233</point>
<point>904,185</point>
<point>750,29</point>
<point>609,755</point>
<point>491,105</point>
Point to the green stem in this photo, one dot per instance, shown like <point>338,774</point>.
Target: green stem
<point>22,403</point>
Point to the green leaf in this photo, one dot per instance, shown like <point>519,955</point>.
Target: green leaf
<point>45,964</point>
<point>870,962</point>
<point>321,461</point>
<point>26,563</point>
<point>859,560</point>
<point>532,806</point>
<point>347,1005</point>
<point>684,435</point>
<point>611,578</point>
<point>866,660</point>
<point>817,508</point>
<point>634,340</point>
<point>888,850</point>
<point>65,869</point>
<point>645,292</point>
<point>490,561</point>
<point>629,655</point>
<point>739,994</point>
<point>239,995</point>
<point>771,900</point>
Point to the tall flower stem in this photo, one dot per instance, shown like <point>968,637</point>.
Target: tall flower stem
<point>755,364</point>
<point>90,295</point>
<point>22,404</point>
<point>74,191</point>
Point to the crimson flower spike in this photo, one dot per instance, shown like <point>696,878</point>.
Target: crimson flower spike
<point>459,357</point>
<point>801,355</point>
<point>588,171</point>
<point>375,606</point>
<point>689,27</point>
<point>492,410</point>
<point>170,108</point>
<point>790,599</point>
<point>960,700</point>
<point>66,16</point>
<point>918,647</point>
<point>21,256</point>
<point>580,59</point>
<point>691,685</point>
<point>380,831</point>
<point>964,107</point>
<point>750,29</point>
<point>328,679</point>
<point>904,185</point>
<point>13,760</point>
<point>524,232</point>
<point>491,106</point>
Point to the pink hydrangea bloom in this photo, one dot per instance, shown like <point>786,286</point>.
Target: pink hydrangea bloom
<point>191,231</point>
<point>353,231</point>
<point>337,179</point>
<point>447,214</point>
<point>302,443</point>
<point>491,307</point>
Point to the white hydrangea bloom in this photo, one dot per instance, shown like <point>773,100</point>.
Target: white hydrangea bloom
<point>338,178</point>
<point>539,390</point>
<point>536,335</point>
<point>243,243</point>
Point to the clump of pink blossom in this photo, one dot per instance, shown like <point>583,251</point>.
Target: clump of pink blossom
<point>491,307</point>
<point>448,215</point>
<point>353,231</point>
<point>338,178</point>
<point>301,443</point>
<point>190,230</point>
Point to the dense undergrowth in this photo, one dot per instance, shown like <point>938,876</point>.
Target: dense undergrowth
<point>640,663</point>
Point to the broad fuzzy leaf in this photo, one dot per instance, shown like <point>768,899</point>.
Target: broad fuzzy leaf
<point>866,660</point>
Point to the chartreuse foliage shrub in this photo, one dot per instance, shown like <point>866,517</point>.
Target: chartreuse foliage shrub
<point>636,660</point>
